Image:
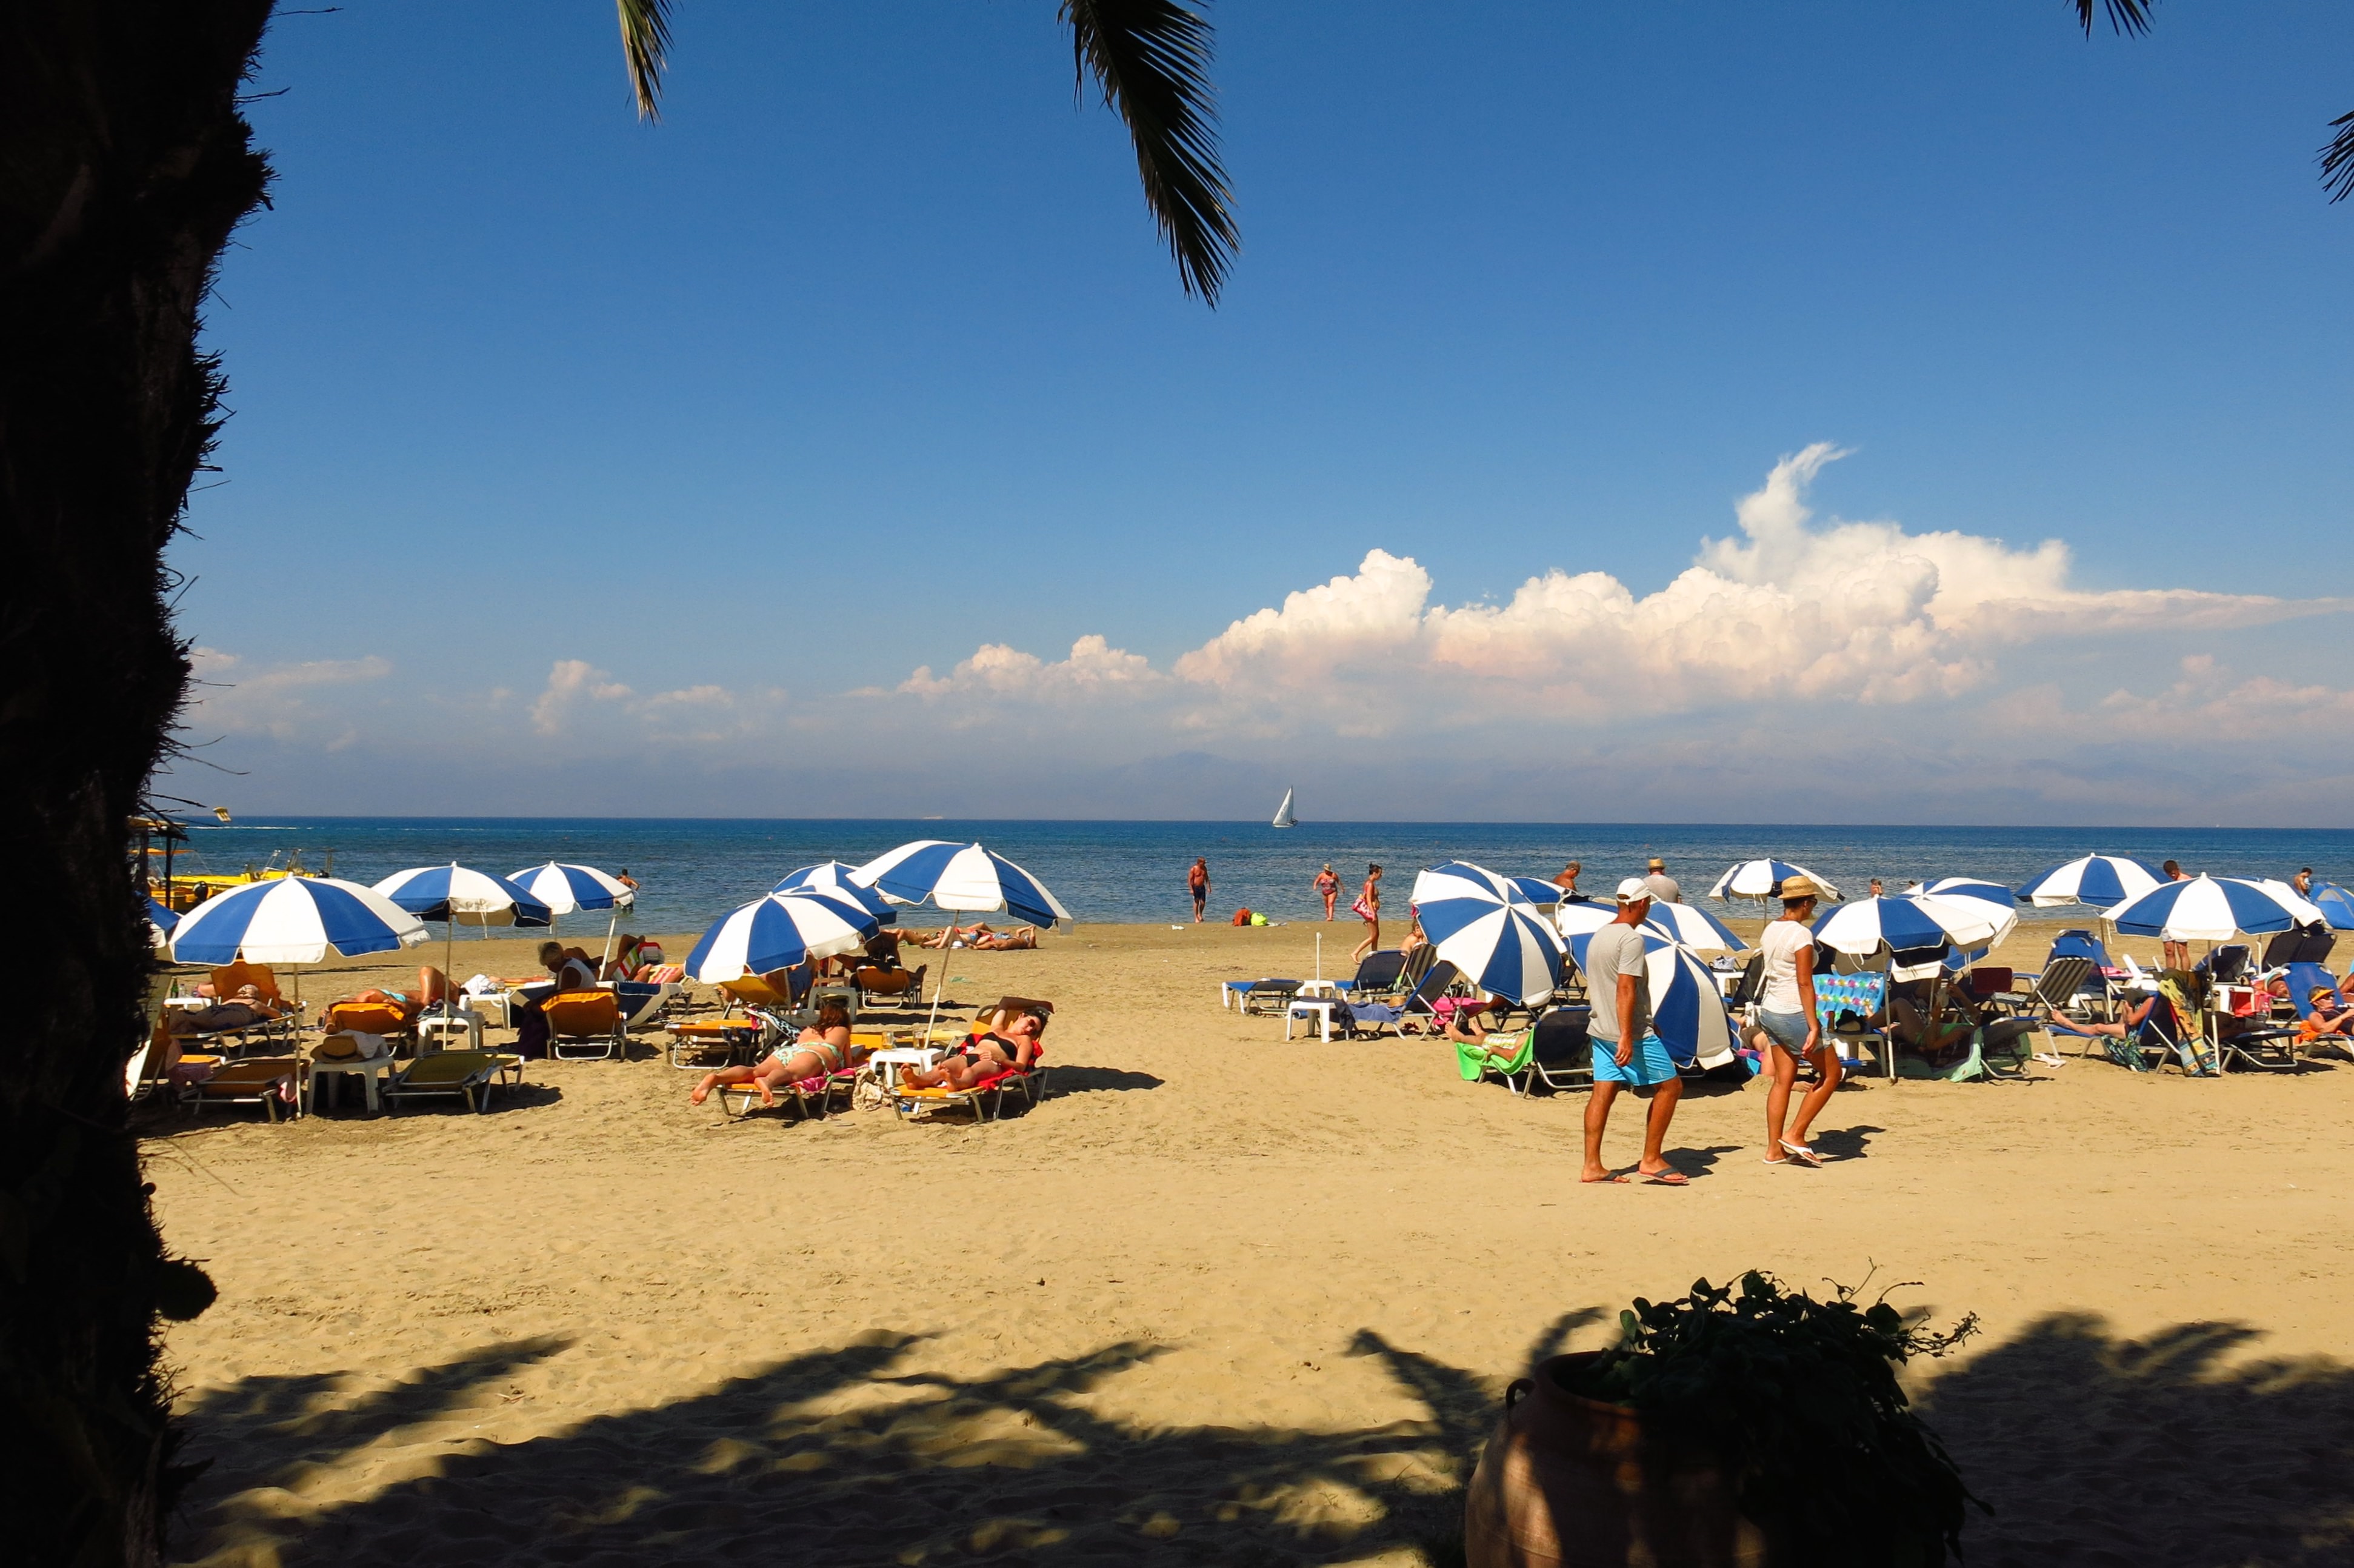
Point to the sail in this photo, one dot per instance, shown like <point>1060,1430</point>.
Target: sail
<point>1283,817</point>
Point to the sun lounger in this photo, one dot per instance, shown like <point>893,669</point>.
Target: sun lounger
<point>891,988</point>
<point>1378,974</point>
<point>1259,995</point>
<point>470,1076</point>
<point>268,1082</point>
<point>736,1040</point>
<point>585,1025</point>
<point>1420,1003</point>
<point>987,1097</point>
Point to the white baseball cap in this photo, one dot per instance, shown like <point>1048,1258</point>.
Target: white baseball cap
<point>1633,889</point>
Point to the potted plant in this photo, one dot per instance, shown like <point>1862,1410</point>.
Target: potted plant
<point>1740,1424</point>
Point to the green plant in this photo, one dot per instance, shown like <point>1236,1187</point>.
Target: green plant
<point>1797,1401</point>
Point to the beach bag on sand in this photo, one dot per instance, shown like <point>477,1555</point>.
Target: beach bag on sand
<point>1257,920</point>
<point>867,1093</point>
<point>1242,917</point>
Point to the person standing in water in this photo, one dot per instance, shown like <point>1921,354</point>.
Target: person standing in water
<point>1327,888</point>
<point>1368,909</point>
<point>1198,880</point>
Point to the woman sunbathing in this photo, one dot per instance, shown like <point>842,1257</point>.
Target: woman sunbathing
<point>977,936</point>
<point>822,1049</point>
<point>432,987</point>
<point>1012,1041</point>
<point>248,1007</point>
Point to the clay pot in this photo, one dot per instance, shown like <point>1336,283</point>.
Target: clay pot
<point>1569,1482</point>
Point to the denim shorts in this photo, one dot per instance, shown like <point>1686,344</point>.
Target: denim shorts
<point>1787,1030</point>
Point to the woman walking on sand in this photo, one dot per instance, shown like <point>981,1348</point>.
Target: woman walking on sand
<point>1788,1030</point>
<point>1327,888</point>
<point>1368,909</point>
<point>1198,879</point>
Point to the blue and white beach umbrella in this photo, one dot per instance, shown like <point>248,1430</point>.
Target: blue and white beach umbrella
<point>2336,904</point>
<point>962,878</point>
<point>2000,902</point>
<point>777,932</point>
<point>2102,880</point>
<point>1687,1010</point>
<point>1906,923</point>
<point>1693,927</point>
<point>1478,922</point>
<point>160,921</point>
<point>565,888</point>
<point>1537,890</point>
<point>458,896</point>
<point>2211,909</point>
<point>1763,879</point>
<point>832,878</point>
<point>293,920</point>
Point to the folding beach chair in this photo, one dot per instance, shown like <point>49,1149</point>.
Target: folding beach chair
<point>1561,1051</point>
<point>891,988</point>
<point>585,1025</point>
<point>1378,974</point>
<point>2100,985</point>
<point>986,1098</point>
<point>2059,986</point>
<point>1374,1016</point>
<point>1270,996</point>
<point>1858,996</point>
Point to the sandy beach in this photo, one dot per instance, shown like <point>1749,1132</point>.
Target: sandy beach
<point>1222,1297</point>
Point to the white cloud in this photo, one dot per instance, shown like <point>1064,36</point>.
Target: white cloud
<point>570,683</point>
<point>1787,612</point>
<point>229,697</point>
<point>1961,676</point>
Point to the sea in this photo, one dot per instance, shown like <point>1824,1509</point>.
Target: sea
<point>692,871</point>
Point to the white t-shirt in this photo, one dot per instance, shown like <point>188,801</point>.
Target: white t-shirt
<point>1781,944</point>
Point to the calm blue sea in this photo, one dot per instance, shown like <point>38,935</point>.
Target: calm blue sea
<point>693,871</point>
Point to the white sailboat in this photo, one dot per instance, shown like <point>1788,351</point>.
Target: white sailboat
<point>1283,817</point>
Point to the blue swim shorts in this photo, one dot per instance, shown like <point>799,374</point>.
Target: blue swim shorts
<point>1647,1068</point>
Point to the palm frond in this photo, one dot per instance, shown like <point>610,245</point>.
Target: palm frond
<point>645,43</point>
<point>2125,16</point>
<point>1151,58</point>
<point>2338,159</point>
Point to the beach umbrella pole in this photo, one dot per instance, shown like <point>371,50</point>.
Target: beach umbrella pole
<point>610,926</point>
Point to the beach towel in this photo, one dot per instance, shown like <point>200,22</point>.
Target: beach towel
<point>1859,994</point>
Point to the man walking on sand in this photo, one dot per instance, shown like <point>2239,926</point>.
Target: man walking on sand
<point>1197,881</point>
<point>1626,1052</point>
<point>1663,887</point>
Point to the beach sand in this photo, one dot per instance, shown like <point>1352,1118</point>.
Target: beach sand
<point>1221,1299</point>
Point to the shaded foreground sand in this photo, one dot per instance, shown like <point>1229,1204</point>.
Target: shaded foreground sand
<point>1221,1299</point>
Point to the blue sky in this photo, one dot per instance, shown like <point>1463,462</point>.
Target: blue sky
<point>583,465</point>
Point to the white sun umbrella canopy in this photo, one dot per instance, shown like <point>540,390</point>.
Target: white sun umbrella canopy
<point>459,895</point>
<point>567,888</point>
<point>1481,924</point>
<point>1763,878</point>
<point>1693,927</point>
<point>2102,880</point>
<point>1683,923</point>
<point>832,878</point>
<point>777,931</point>
<point>960,878</point>
<point>293,920</point>
<point>2212,909</point>
<point>1906,923</point>
<point>1687,1010</point>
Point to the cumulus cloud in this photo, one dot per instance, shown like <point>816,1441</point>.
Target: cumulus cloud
<point>570,683</point>
<point>1788,610</point>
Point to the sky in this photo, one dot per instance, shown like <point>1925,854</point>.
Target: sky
<point>1807,412</point>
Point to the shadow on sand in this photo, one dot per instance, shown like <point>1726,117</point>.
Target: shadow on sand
<point>2091,1449</point>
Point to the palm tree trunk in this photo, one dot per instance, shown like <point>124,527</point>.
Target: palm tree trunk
<point>124,166</point>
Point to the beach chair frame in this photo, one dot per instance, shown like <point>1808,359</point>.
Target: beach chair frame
<point>247,1086</point>
<point>470,1076</point>
<point>601,1043</point>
